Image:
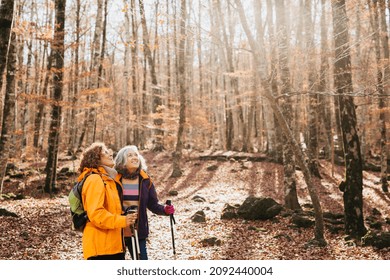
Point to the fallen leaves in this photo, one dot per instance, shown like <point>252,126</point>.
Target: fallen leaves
<point>42,229</point>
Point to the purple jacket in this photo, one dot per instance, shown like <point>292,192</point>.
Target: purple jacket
<point>147,200</point>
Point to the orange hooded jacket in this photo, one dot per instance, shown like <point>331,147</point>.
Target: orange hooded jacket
<point>103,233</point>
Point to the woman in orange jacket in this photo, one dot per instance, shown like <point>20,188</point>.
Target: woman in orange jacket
<point>102,199</point>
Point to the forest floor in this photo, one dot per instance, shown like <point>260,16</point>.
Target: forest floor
<point>42,226</point>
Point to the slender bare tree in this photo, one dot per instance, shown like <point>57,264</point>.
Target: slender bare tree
<point>6,17</point>
<point>325,115</point>
<point>290,185</point>
<point>352,187</point>
<point>273,134</point>
<point>73,131</point>
<point>313,98</point>
<point>8,61</point>
<point>125,96</point>
<point>156,92</point>
<point>177,172</point>
<point>90,118</point>
<point>383,105</point>
<point>58,51</point>
<point>134,79</point>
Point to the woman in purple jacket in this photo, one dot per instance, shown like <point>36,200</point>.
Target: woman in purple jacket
<point>138,193</point>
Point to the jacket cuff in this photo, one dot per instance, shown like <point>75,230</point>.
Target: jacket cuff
<point>123,221</point>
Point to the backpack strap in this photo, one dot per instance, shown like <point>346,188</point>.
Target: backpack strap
<point>81,183</point>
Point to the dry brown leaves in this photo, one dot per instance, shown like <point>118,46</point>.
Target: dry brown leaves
<point>42,229</point>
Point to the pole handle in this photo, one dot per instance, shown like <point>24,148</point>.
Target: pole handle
<point>169,202</point>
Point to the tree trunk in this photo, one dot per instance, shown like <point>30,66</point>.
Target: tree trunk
<point>125,96</point>
<point>168,43</point>
<point>358,43</point>
<point>134,80</point>
<point>352,187</point>
<point>313,98</point>
<point>102,81</point>
<point>324,106</point>
<point>258,57</point>
<point>202,88</point>
<point>144,106</point>
<point>299,119</point>
<point>215,131</point>
<point>6,18</point>
<point>37,57</point>
<point>382,99</point>
<point>290,185</point>
<point>41,107</point>
<point>28,110</point>
<point>8,118</point>
<point>274,145</point>
<point>183,90</point>
<point>229,127</point>
<point>89,126</point>
<point>73,128</point>
<point>156,92</point>
<point>43,78</point>
<point>223,54</point>
<point>58,52</point>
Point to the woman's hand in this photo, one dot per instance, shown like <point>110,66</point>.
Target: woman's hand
<point>169,209</point>
<point>130,219</point>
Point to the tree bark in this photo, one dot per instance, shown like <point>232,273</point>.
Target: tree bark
<point>352,187</point>
<point>134,80</point>
<point>177,172</point>
<point>7,47</point>
<point>58,51</point>
<point>73,132</point>
<point>156,92</point>
<point>27,120</point>
<point>290,185</point>
<point>125,96</point>
<point>313,98</point>
<point>6,18</point>
<point>382,99</point>
<point>40,109</point>
<point>88,128</point>
<point>101,80</point>
<point>324,104</point>
<point>274,145</point>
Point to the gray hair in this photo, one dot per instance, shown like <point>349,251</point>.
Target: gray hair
<point>121,157</point>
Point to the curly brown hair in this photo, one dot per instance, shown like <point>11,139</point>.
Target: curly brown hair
<point>91,156</point>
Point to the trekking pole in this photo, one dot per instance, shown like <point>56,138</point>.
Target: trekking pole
<point>133,243</point>
<point>134,235</point>
<point>137,244</point>
<point>168,202</point>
